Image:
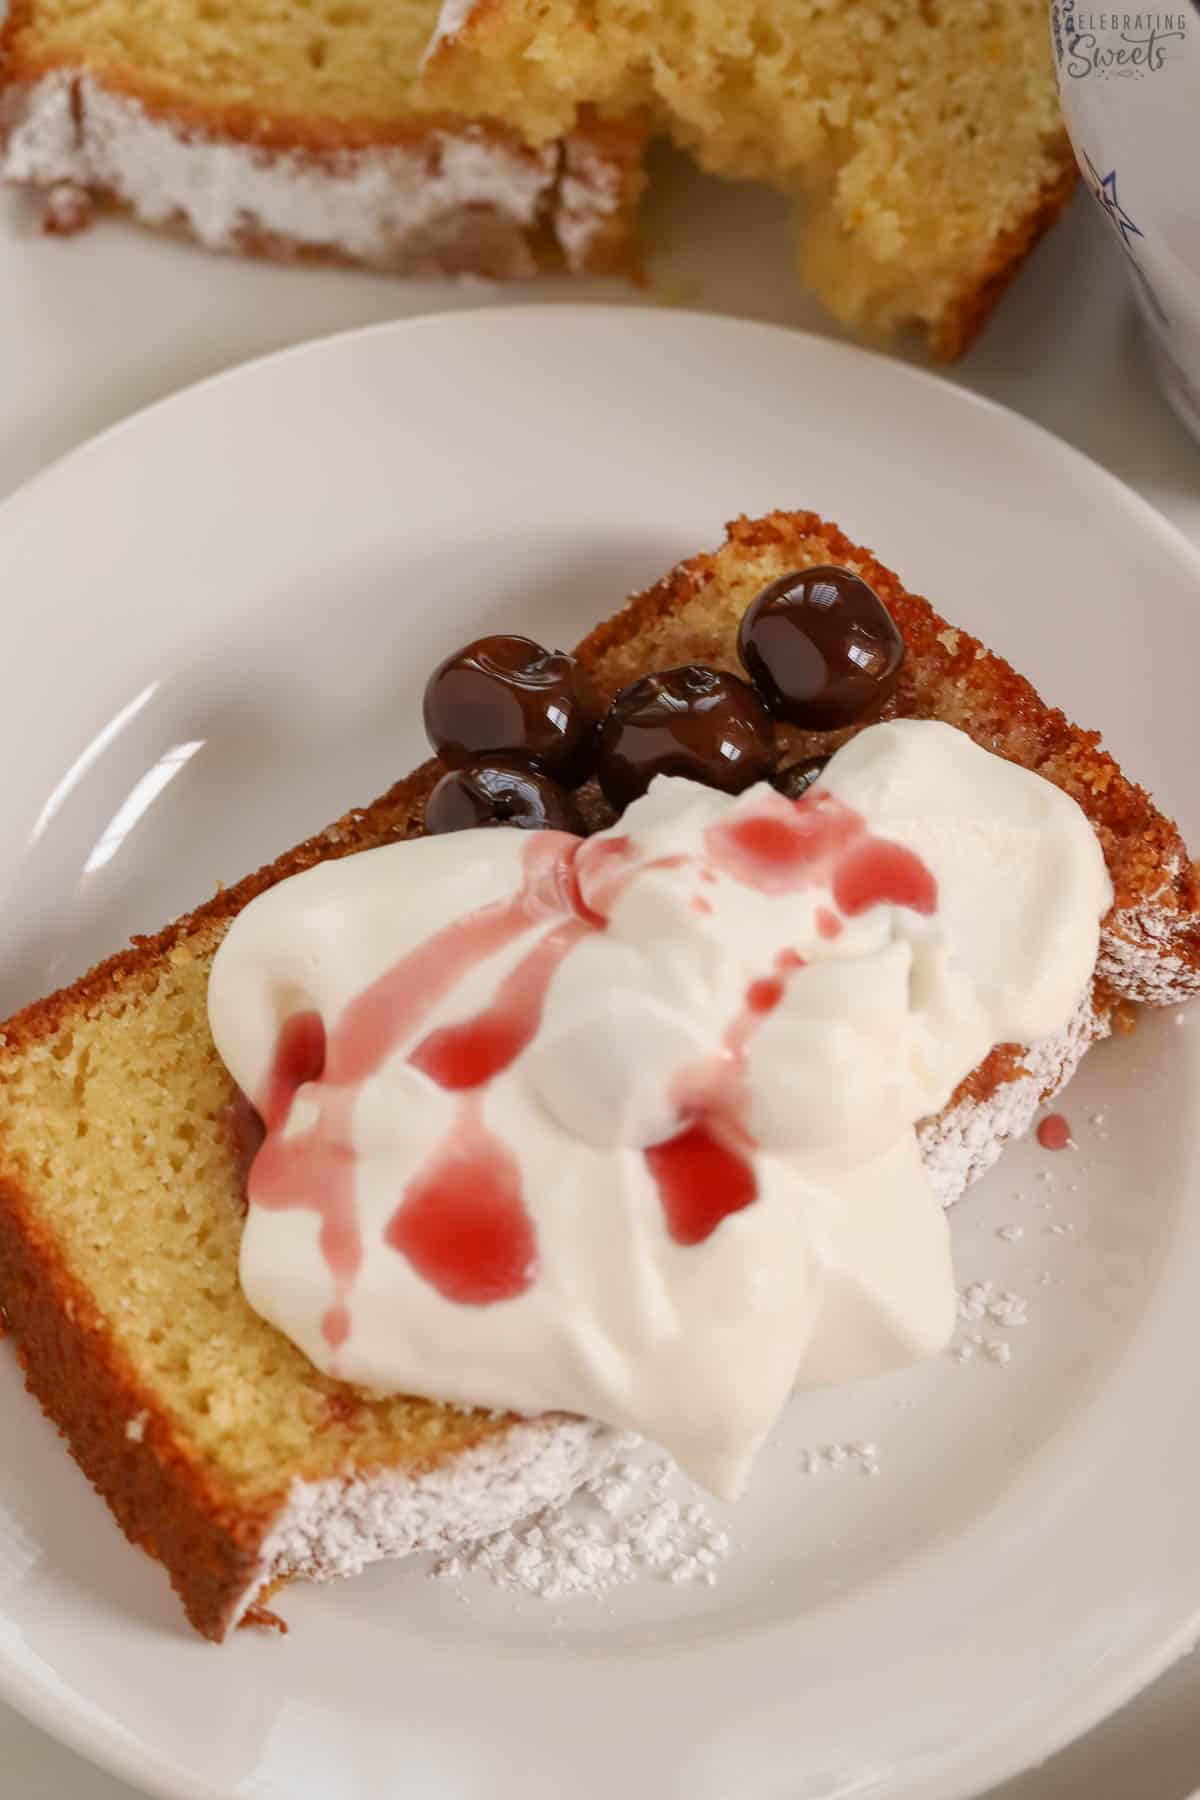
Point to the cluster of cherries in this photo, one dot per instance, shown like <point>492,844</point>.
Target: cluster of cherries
<point>520,728</point>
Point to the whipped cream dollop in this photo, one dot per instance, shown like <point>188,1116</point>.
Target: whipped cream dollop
<point>624,1126</point>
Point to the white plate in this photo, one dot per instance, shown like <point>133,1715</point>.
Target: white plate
<point>219,619</point>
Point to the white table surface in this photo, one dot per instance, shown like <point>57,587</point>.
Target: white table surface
<point>93,328</point>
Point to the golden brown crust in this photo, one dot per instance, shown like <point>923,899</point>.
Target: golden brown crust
<point>162,1500</point>
<point>962,321</point>
<point>267,131</point>
<point>172,1503</point>
<point>948,674</point>
<point>166,1500</point>
<point>23,65</point>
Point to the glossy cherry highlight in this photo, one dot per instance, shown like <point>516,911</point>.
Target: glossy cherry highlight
<point>500,790</point>
<point>694,721</point>
<point>506,693</point>
<point>821,648</point>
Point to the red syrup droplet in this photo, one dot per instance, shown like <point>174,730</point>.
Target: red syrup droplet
<point>374,1024</point>
<point>463,1221</point>
<point>1054,1133</point>
<point>473,1052</point>
<point>828,923</point>
<point>299,1058</point>
<point>764,996</point>
<point>700,1181</point>
<point>878,873</point>
<point>704,1173</point>
<point>335,1326</point>
<point>315,1168</point>
<point>789,845</point>
<point>463,1224</point>
<point>786,845</point>
<point>312,1169</point>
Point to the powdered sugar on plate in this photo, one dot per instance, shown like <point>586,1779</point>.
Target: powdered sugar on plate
<point>859,1458</point>
<point>640,1520</point>
<point>637,1518</point>
<point>983,1300</point>
<point>986,1303</point>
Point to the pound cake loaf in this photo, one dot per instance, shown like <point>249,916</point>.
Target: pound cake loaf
<point>921,138</point>
<point>219,1447</point>
<point>299,131</point>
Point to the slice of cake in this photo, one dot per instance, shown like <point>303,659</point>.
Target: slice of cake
<point>921,138</point>
<point>299,131</point>
<point>922,141</point>
<point>217,1444</point>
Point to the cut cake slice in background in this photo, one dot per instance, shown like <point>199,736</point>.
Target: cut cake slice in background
<point>293,131</point>
<point>922,139</point>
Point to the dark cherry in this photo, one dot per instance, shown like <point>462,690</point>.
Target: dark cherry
<point>509,694</point>
<point>500,790</point>
<point>821,648</point>
<point>798,777</point>
<point>692,721</point>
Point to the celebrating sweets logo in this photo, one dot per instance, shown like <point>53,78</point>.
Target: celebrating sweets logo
<point>1125,45</point>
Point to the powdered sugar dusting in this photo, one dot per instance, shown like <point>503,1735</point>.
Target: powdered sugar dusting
<point>332,1528</point>
<point>856,1458</point>
<point>984,1303</point>
<point>1152,953</point>
<point>983,1300</point>
<point>68,210</point>
<point>995,1350</point>
<point>635,1519</point>
<point>963,1142</point>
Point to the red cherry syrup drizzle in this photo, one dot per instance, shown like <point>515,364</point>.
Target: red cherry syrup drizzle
<point>791,845</point>
<point>315,1168</point>
<point>462,1220</point>
<point>462,1223</point>
<point>705,1172</point>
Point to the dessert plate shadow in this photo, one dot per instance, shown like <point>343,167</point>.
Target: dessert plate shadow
<point>222,614</point>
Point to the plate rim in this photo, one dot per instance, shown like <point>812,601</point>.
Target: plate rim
<point>498,317</point>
